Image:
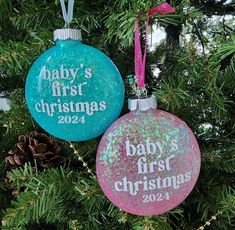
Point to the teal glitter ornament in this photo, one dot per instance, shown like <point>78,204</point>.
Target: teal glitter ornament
<point>74,91</point>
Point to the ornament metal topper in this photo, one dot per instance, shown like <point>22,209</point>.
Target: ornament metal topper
<point>74,91</point>
<point>148,161</point>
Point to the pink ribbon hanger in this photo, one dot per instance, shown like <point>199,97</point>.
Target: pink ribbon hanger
<point>140,60</point>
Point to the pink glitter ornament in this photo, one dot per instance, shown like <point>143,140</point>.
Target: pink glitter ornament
<point>148,161</point>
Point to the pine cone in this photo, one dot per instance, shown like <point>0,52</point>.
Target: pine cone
<point>35,146</point>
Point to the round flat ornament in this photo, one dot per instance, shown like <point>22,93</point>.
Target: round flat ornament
<point>148,161</point>
<point>74,91</point>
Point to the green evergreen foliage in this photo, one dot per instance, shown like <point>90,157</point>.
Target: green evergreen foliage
<point>197,83</point>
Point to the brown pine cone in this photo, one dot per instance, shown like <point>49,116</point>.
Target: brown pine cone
<point>35,146</point>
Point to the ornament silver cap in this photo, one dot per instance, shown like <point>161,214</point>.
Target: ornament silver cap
<point>142,103</point>
<point>64,34</point>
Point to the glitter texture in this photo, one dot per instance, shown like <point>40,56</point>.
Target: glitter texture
<point>74,91</point>
<point>148,162</point>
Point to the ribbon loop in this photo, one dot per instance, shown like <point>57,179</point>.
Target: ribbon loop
<point>68,16</point>
<point>138,52</point>
<point>140,60</point>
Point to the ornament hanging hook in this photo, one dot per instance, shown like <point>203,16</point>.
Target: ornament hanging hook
<point>142,92</point>
<point>67,15</point>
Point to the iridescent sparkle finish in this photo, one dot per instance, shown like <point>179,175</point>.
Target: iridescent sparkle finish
<point>105,85</point>
<point>113,164</point>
